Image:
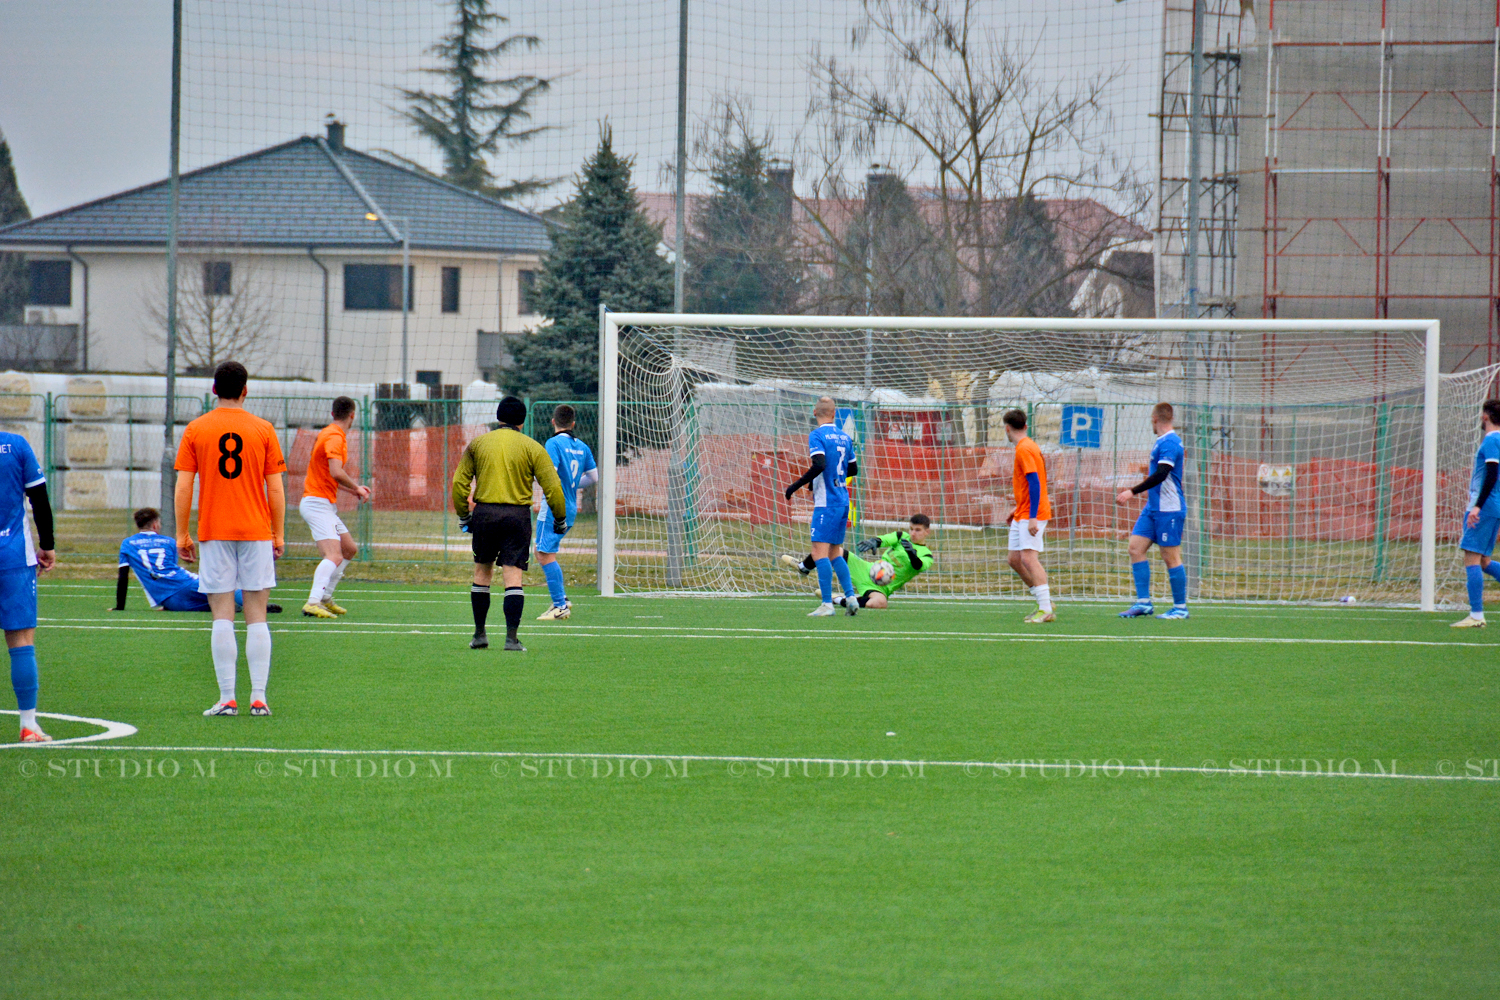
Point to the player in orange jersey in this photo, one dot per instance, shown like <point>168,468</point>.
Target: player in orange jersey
<point>1029,520</point>
<point>241,515</point>
<point>319,508</point>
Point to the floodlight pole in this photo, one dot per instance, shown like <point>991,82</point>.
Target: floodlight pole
<point>679,259</point>
<point>405,294</point>
<point>169,417</point>
<point>1195,159</point>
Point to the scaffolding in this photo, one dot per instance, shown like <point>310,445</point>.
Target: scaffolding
<point>1381,190</point>
<point>1198,187</point>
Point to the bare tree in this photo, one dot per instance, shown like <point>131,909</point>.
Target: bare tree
<point>223,314</point>
<point>965,108</point>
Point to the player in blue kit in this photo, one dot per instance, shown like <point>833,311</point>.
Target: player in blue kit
<point>1160,524</point>
<point>153,558</point>
<point>21,480</point>
<point>576,468</point>
<point>1482,516</point>
<point>831,453</point>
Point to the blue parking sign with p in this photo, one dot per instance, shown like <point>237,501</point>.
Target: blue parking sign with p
<point>1082,426</point>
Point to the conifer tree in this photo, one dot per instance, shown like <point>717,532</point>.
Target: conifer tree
<point>13,208</point>
<point>470,120</point>
<point>604,250</point>
<point>740,252</point>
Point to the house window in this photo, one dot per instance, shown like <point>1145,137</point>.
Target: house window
<point>526,282</point>
<point>376,286</point>
<point>430,379</point>
<point>450,289</point>
<point>217,278</point>
<point>51,283</point>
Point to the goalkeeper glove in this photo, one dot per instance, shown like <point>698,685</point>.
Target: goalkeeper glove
<point>466,523</point>
<point>868,547</point>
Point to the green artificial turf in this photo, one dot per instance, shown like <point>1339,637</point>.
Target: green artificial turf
<point>382,873</point>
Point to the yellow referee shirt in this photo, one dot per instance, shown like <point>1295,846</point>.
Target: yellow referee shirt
<point>500,466</point>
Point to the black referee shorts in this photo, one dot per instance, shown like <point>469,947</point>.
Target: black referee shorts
<point>502,534</point>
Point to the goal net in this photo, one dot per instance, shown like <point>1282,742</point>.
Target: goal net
<point>1325,459</point>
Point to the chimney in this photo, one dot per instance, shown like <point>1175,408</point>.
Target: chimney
<point>780,174</point>
<point>335,133</point>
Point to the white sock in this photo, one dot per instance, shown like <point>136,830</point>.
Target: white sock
<point>333,581</point>
<point>28,718</point>
<point>322,581</point>
<point>258,653</point>
<point>1043,595</point>
<point>226,650</point>
<point>1478,616</point>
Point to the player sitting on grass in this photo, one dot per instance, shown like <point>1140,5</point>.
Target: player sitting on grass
<point>1160,523</point>
<point>319,508</point>
<point>153,557</point>
<point>576,468</point>
<point>1482,517</point>
<point>902,549</point>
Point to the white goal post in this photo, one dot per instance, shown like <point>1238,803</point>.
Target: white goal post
<point>1304,441</point>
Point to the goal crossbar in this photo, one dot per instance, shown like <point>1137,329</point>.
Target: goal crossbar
<point>610,324</point>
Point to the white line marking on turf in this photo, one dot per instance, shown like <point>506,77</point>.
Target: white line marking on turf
<point>112,730</point>
<point>970,766</point>
<point>710,632</point>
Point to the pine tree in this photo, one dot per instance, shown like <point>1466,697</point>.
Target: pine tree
<point>604,250</point>
<point>470,120</point>
<point>1032,269</point>
<point>13,208</point>
<point>739,255</point>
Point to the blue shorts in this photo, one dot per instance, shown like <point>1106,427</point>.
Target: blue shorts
<point>1481,537</point>
<point>547,540</point>
<point>18,598</point>
<point>830,524</point>
<point>1165,529</point>
<point>188,599</point>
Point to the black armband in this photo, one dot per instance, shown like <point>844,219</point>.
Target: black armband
<point>1155,479</point>
<point>852,471</point>
<point>41,511</point>
<point>122,587</point>
<point>1491,474</point>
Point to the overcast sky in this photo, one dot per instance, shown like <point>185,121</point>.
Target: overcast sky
<point>85,84</point>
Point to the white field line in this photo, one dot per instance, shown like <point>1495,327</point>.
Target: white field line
<point>112,730</point>
<point>970,766</point>
<point>704,632</point>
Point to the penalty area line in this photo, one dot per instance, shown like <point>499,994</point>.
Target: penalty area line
<point>112,730</point>
<point>970,767</point>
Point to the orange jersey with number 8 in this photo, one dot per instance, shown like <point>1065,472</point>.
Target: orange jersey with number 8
<point>233,452</point>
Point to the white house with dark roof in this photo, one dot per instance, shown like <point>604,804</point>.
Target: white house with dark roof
<point>290,259</point>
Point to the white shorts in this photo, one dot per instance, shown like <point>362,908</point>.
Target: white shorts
<point>1021,538</point>
<point>323,518</point>
<point>224,567</point>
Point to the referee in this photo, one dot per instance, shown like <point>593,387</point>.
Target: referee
<point>498,469</point>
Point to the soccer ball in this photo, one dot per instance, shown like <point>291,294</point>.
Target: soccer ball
<point>882,573</point>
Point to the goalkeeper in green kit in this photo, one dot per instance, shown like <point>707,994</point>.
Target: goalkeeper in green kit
<point>902,548</point>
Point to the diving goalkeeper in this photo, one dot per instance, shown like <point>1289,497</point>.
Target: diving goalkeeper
<point>903,549</point>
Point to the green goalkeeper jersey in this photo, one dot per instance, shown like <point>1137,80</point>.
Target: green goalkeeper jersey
<point>894,552</point>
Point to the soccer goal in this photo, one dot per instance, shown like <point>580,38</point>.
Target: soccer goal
<point>1326,460</point>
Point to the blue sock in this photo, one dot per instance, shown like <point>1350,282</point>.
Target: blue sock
<point>1178,577</point>
<point>23,676</point>
<point>1142,573</point>
<point>841,567</point>
<point>825,580</point>
<point>1476,599</point>
<point>553,572</point>
<point>1493,569</point>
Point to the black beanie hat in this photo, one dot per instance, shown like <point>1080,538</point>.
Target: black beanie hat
<point>511,411</point>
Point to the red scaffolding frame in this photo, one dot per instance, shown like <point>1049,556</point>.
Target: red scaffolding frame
<point>1388,234</point>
